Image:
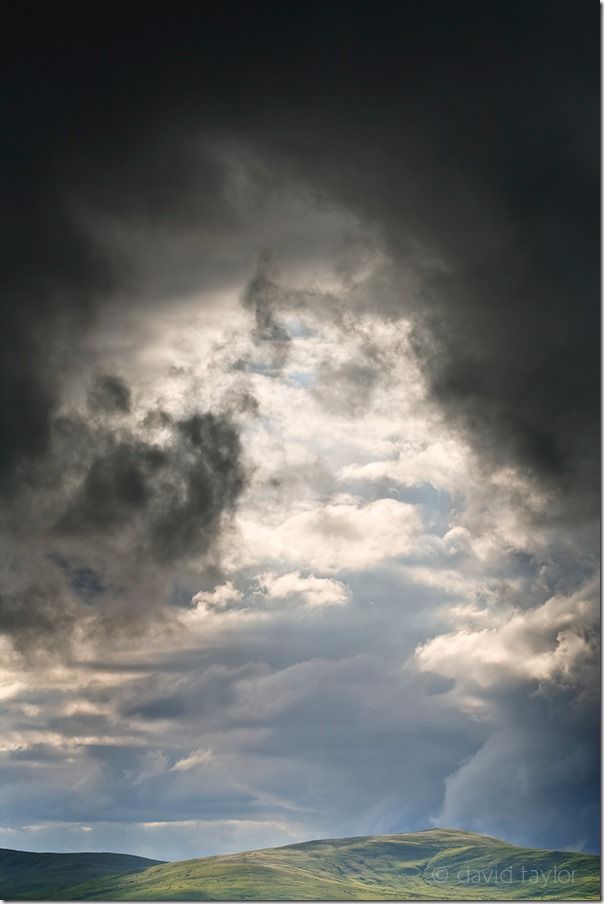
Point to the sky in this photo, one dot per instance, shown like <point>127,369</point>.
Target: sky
<point>299,440</point>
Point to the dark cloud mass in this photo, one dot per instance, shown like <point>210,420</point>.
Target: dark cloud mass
<point>108,512</point>
<point>170,496</point>
<point>42,611</point>
<point>468,136</point>
<point>142,155</point>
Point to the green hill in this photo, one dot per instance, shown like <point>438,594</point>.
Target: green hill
<point>32,876</point>
<point>437,864</point>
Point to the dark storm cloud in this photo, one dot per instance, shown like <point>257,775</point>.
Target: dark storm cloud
<point>167,499</point>
<point>469,136</point>
<point>51,279</point>
<point>476,152</point>
<point>86,147</point>
<point>480,151</point>
<point>111,510</point>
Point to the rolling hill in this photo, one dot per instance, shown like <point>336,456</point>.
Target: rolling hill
<point>33,876</point>
<point>437,864</point>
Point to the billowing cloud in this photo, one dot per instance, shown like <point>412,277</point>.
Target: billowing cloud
<point>313,590</point>
<point>218,599</point>
<point>444,463</point>
<point>532,676</point>
<point>340,535</point>
<point>551,642</point>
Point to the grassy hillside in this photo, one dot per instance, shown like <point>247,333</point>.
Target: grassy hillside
<point>25,875</point>
<point>433,865</point>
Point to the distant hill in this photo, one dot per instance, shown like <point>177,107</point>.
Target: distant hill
<point>32,876</point>
<point>438,864</point>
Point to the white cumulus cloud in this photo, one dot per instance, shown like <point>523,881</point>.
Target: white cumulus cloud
<point>546,643</point>
<point>313,590</point>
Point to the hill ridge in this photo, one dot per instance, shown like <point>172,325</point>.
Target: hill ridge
<point>431,864</point>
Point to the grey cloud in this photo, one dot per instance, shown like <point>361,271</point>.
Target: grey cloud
<point>170,497</point>
<point>115,488</point>
<point>512,785</point>
<point>206,691</point>
<point>296,717</point>
<point>110,394</point>
<point>157,503</point>
<point>346,388</point>
<point>322,714</point>
<point>241,401</point>
<point>539,765</point>
<point>112,510</point>
<point>39,615</point>
<point>264,297</point>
